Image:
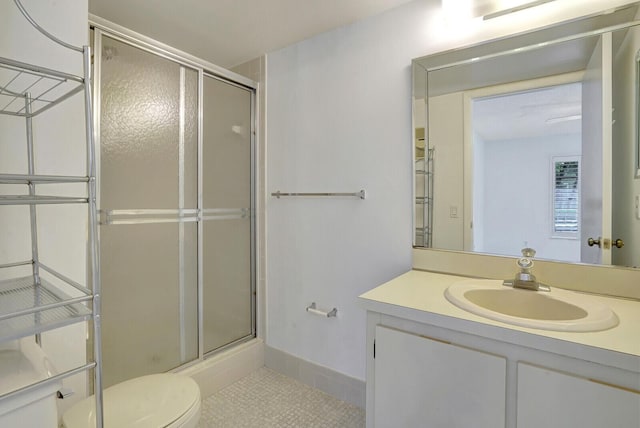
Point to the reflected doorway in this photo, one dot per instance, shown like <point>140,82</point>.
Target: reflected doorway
<point>527,176</point>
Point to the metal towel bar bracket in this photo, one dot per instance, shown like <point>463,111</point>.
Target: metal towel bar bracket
<point>361,194</point>
<point>312,308</point>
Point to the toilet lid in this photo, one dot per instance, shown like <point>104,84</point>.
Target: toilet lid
<point>146,402</point>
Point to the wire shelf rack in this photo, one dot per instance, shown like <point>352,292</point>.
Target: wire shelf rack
<point>27,90</point>
<point>40,199</point>
<point>27,308</point>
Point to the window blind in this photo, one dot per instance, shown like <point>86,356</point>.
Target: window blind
<point>566,197</point>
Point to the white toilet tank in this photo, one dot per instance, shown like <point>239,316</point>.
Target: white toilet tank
<point>23,363</point>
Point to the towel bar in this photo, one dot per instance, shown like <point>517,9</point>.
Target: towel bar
<point>361,194</point>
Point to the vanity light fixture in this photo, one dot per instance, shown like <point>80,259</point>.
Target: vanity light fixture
<point>490,9</point>
<point>487,9</point>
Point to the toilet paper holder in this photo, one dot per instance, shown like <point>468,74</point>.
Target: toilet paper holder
<point>314,310</point>
<point>64,393</point>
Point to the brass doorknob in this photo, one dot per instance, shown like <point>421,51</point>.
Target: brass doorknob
<point>618,243</point>
<point>591,242</point>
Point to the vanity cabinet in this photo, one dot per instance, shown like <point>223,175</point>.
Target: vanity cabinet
<point>551,399</point>
<point>424,375</point>
<point>422,381</point>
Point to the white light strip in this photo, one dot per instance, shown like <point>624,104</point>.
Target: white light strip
<point>514,9</point>
<point>563,119</point>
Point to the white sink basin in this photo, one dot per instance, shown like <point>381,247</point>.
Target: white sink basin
<point>558,310</point>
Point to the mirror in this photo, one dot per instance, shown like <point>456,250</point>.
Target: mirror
<point>533,141</point>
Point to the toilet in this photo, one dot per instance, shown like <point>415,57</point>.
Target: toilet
<point>22,363</point>
<point>166,400</point>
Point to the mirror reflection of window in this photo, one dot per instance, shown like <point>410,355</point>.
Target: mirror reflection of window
<point>566,197</point>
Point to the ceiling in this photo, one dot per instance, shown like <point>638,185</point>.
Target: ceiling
<point>554,110</point>
<point>231,32</point>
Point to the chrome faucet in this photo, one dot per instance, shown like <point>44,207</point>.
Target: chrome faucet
<point>524,278</point>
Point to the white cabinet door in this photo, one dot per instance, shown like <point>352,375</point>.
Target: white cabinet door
<point>551,399</point>
<point>421,382</point>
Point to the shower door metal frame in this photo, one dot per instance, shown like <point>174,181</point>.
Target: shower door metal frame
<point>105,28</point>
<point>204,217</point>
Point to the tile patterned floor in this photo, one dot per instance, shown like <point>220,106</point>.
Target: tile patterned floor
<point>268,399</point>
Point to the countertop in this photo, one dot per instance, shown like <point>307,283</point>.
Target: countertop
<point>419,296</point>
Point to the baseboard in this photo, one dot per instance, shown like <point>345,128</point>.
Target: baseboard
<point>334,383</point>
<point>223,369</point>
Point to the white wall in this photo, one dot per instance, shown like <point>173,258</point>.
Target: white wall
<point>329,129</point>
<point>446,135</point>
<point>60,149</point>
<point>508,226</point>
<point>339,119</point>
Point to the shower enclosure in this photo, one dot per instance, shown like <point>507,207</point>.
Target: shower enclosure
<point>176,199</point>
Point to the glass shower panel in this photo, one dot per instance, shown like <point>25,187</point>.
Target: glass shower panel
<point>227,254</point>
<point>148,199</point>
<point>149,324</point>
<point>140,129</point>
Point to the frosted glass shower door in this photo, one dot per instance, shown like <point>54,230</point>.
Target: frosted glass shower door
<point>148,203</point>
<point>227,226</point>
